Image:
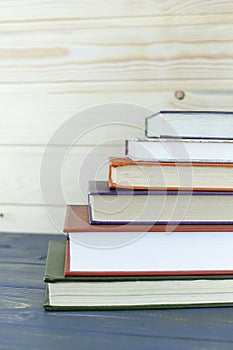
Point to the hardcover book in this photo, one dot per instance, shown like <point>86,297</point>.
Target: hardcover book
<point>125,173</point>
<point>77,220</point>
<point>122,206</point>
<point>174,254</point>
<point>175,150</point>
<point>190,124</point>
<point>144,292</point>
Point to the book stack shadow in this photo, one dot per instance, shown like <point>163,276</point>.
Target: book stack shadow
<point>158,232</point>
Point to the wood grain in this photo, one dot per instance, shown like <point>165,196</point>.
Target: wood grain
<point>118,54</point>
<point>70,9</point>
<point>21,180</point>
<point>114,22</point>
<point>27,219</point>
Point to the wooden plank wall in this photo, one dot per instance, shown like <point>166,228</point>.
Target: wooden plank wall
<point>59,58</point>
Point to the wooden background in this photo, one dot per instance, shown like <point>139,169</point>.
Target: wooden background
<point>61,57</point>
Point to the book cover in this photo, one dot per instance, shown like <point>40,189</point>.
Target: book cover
<point>56,266</point>
<point>124,206</point>
<point>77,293</point>
<point>77,220</point>
<point>129,174</point>
<point>176,124</point>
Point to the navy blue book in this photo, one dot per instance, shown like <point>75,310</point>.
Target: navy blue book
<point>122,206</point>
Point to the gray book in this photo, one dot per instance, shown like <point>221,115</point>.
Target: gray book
<point>190,124</point>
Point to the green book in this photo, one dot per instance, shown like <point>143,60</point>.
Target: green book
<point>129,292</point>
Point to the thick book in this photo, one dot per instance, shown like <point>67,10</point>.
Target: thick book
<point>162,254</point>
<point>176,150</point>
<point>126,173</point>
<point>77,220</point>
<point>144,292</point>
<point>118,206</point>
<point>190,124</point>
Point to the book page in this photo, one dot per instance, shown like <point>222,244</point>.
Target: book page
<point>151,251</point>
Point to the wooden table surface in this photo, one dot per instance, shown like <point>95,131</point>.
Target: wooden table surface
<point>25,325</point>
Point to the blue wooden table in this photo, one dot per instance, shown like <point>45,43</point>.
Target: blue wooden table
<point>25,325</point>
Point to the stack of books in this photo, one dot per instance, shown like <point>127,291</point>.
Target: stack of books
<point>159,231</point>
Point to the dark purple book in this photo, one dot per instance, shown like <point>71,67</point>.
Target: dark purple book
<point>121,206</point>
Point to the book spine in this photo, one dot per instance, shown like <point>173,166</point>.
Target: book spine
<point>67,259</point>
<point>110,180</point>
<point>147,134</point>
<point>126,147</point>
<point>89,209</point>
<point>151,133</point>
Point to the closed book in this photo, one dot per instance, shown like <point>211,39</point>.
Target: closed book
<point>77,220</point>
<point>190,124</point>
<point>118,206</point>
<point>149,254</point>
<point>141,292</point>
<point>176,150</point>
<point>126,173</point>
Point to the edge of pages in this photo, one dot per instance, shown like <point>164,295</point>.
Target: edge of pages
<point>68,272</point>
<point>101,188</point>
<point>117,162</point>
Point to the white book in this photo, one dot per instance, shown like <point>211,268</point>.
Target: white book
<point>103,253</point>
<point>190,124</point>
<point>176,150</point>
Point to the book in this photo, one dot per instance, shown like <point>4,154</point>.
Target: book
<point>144,292</point>
<point>176,150</point>
<point>176,253</point>
<point>118,206</point>
<point>190,124</point>
<point>77,220</point>
<point>125,173</point>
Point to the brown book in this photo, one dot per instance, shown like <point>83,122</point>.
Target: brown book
<point>77,220</point>
<point>142,175</point>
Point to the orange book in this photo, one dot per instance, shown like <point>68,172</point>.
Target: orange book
<point>77,220</point>
<point>142,175</point>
